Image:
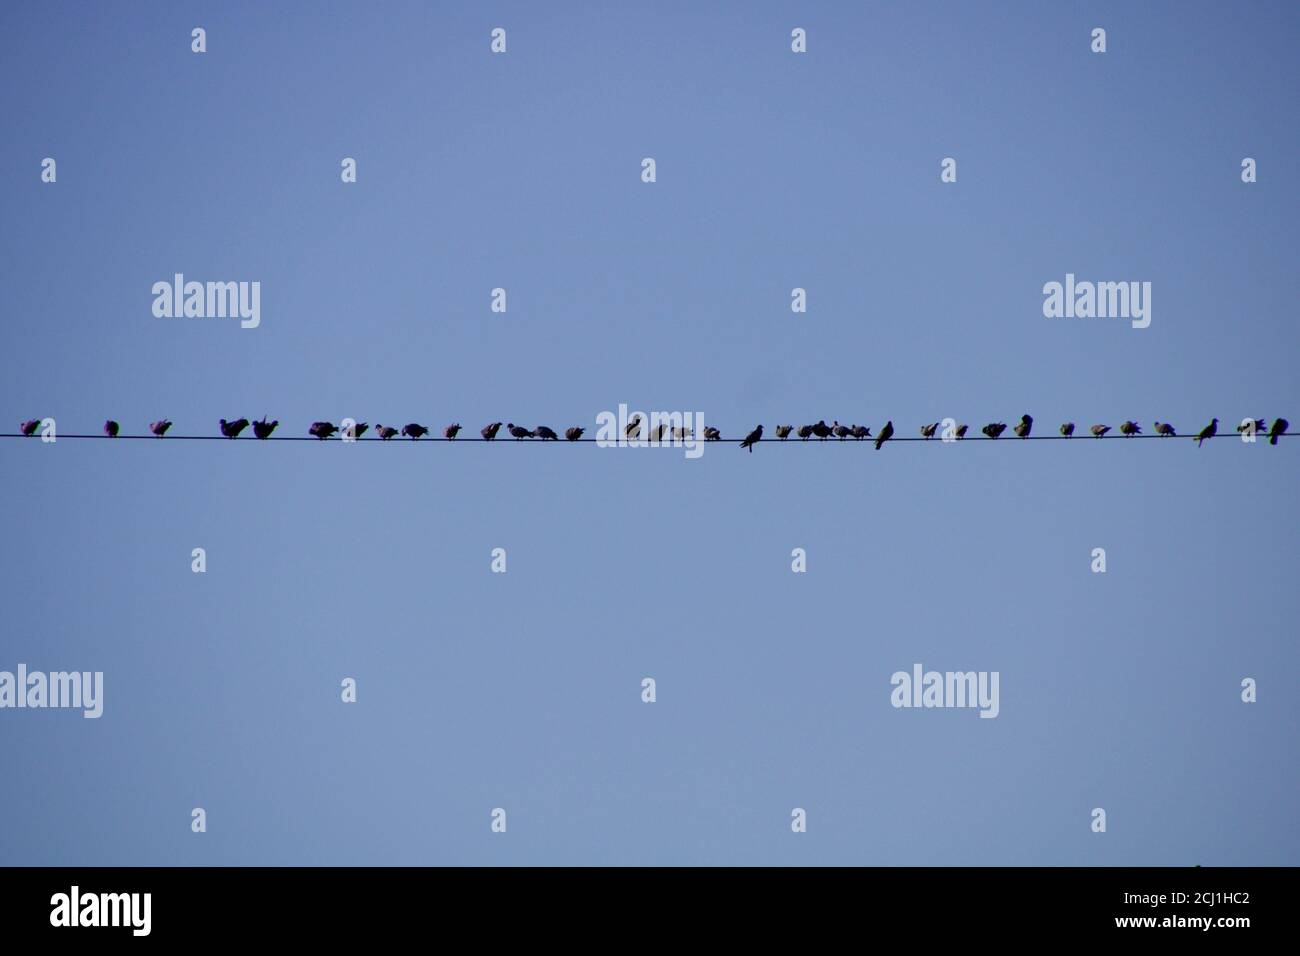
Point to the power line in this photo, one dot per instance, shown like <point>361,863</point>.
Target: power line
<point>1260,436</point>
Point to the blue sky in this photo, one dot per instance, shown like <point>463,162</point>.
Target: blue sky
<point>522,690</point>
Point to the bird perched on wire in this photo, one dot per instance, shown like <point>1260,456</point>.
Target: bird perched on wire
<point>712,434</point>
<point>1129,429</point>
<point>264,428</point>
<point>159,428</point>
<point>451,431</point>
<point>1099,430</point>
<point>518,431</point>
<point>1280,425</point>
<point>822,430</point>
<point>927,431</point>
<point>994,429</point>
<point>111,428</point>
<point>29,427</point>
<point>1209,431</point>
<point>1067,429</point>
<point>886,433</point>
<point>385,432</point>
<point>1025,426</point>
<point>783,431</point>
<point>961,431</point>
<point>489,432</point>
<point>752,439</point>
<point>1257,425</point>
<point>861,431</point>
<point>633,428</point>
<point>322,430</point>
<point>681,432</point>
<point>546,434</point>
<point>356,430</point>
<point>232,429</point>
<point>1165,430</point>
<point>415,430</point>
<point>840,431</point>
<point>804,431</point>
<point>574,433</point>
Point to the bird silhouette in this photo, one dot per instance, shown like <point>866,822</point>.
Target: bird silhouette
<point>927,431</point>
<point>886,433</point>
<point>574,433</point>
<point>1165,430</point>
<point>415,430</point>
<point>1280,425</point>
<point>633,428</point>
<point>1258,425</point>
<point>660,431</point>
<point>681,432</point>
<point>752,439</point>
<point>489,432</point>
<point>804,431</point>
<point>994,429</point>
<point>29,427</point>
<point>385,432</point>
<point>822,430</point>
<point>1099,430</point>
<point>1067,429</point>
<point>322,430</point>
<point>1025,426</point>
<point>264,428</point>
<point>232,429</point>
<point>111,428</point>
<point>1209,431</point>
<point>783,431</point>
<point>356,430</point>
<point>712,434</point>
<point>159,428</point>
<point>961,431</point>
<point>545,434</point>
<point>840,431</point>
<point>861,431</point>
<point>451,431</point>
<point>1129,429</point>
<point>518,431</point>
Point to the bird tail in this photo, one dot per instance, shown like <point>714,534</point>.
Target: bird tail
<point>1272,439</point>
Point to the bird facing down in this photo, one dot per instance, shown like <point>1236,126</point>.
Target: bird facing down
<point>518,431</point>
<point>415,430</point>
<point>961,431</point>
<point>783,431</point>
<point>232,429</point>
<point>752,439</point>
<point>927,431</point>
<point>111,428</point>
<point>29,427</point>
<point>1026,424</point>
<point>1099,430</point>
<point>712,434</point>
<point>545,434</point>
<point>574,433</point>
<point>451,431</point>
<point>1280,425</point>
<point>633,428</point>
<point>322,430</point>
<point>1258,425</point>
<point>385,432</point>
<point>356,430</point>
<point>886,433</point>
<point>264,428</point>
<point>861,431</point>
<point>1165,430</point>
<point>681,432</point>
<point>489,432</point>
<point>1129,429</point>
<point>841,431</point>
<point>994,429</point>
<point>1068,429</point>
<point>1209,431</point>
<point>804,431</point>
<point>822,430</point>
<point>159,428</point>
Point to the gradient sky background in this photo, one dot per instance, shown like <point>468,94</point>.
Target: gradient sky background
<point>522,691</point>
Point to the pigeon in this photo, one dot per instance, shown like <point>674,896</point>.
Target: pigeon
<point>1099,430</point>
<point>927,431</point>
<point>415,430</point>
<point>1165,430</point>
<point>1280,425</point>
<point>573,434</point>
<point>1068,429</point>
<point>385,432</point>
<point>159,428</point>
<point>1129,429</point>
<point>545,434</point>
<point>804,431</point>
<point>682,432</point>
<point>886,433</point>
<point>752,439</point>
<point>489,432</point>
<point>841,431</point>
<point>111,428</point>
<point>356,430</point>
<point>1209,431</point>
<point>822,430</point>
<point>232,429</point>
<point>961,431</point>
<point>633,428</point>
<point>712,434</point>
<point>659,432</point>
<point>264,428</point>
<point>861,431</point>
<point>518,431</point>
<point>451,431</point>
<point>994,429</point>
<point>783,431</point>
<point>29,427</point>
<point>1026,424</point>
<point>1257,424</point>
<point>323,430</point>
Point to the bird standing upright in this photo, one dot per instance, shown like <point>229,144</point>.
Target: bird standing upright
<point>111,428</point>
<point>1025,426</point>
<point>804,431</point>
<point>451,431</point>
<point>1067,429</point>
<point>1280,425</point>
<point>489,432</point>
<point>783,431</point>
<point>886,433</point>
<point>1209,431</point>
<point>1129,429</point>
<point>927,431</point>
<point>264,428</point>
<point>752,439</point>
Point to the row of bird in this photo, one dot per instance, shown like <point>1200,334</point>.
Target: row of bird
<point>663,432</point>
